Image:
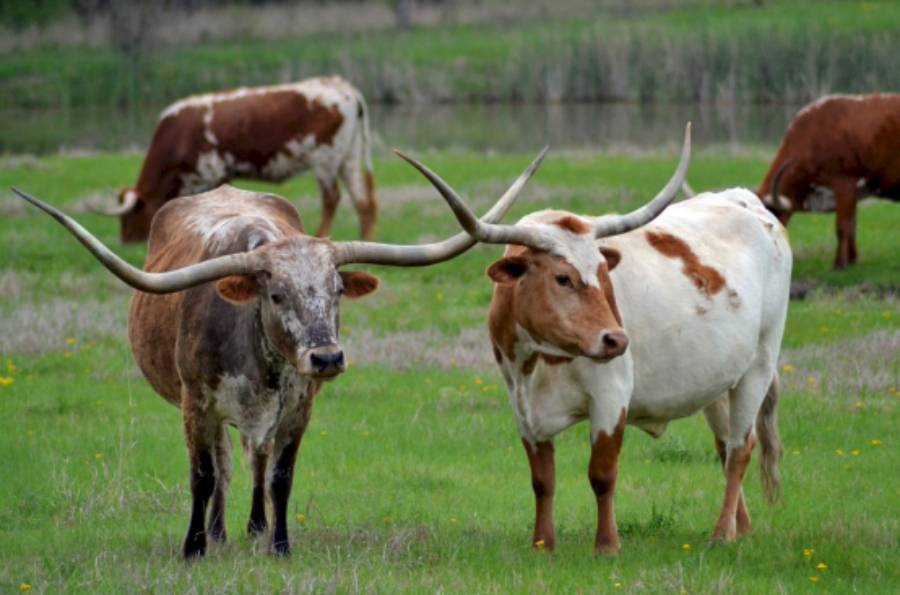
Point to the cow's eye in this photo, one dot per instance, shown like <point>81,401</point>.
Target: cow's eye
<point>563,281</point>
<point>276,298</point>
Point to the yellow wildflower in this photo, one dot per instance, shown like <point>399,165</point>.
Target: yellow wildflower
<point>814,579</point>
<point>70,340</point>
<point>453,519</point>
<point>685,546</point>
<point>876,442</point>
<point>788,369</point>
<point>795,452</point>
<point>617,584</point>
<point>98,456</point>
<point>24,587</point>
<point>539,543</point>
<point>859,405</point>
<point>478,380</point>
<point>839,452</point>
<point>6,380</point>
<point>300,517</point>
<point>808,552</point>
<point>323,433</point>
<point>892,389</point>
<point>821,566</point>
<point>855,452</point>
<point>811,380</point>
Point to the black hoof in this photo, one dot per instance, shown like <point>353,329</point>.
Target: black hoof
<point>194,547</point>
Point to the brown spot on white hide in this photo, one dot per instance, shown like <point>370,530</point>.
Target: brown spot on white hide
<point>706,279</point>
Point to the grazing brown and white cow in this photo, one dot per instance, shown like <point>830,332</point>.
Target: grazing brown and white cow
<point>836,151</point>
<point>246,331</point>
<point>261,133</point>
<point>640,319</point>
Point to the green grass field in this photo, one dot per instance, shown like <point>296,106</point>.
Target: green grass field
<point>411,476</point>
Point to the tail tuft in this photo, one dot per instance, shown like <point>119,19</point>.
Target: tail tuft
<point>770,443</point>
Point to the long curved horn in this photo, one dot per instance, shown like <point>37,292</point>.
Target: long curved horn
<point>775,193</point>
<point>610,225</point>
<point>376,253</point>
<point>484,230</point>
<point>168,282</point>
<point>127,205</point>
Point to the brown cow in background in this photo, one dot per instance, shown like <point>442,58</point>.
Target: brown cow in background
<point>836,151</point>
<point>261,133</point>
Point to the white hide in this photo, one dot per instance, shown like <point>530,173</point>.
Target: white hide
<point>686,348</point>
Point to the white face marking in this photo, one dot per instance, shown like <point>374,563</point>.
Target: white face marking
<point>579,250</point>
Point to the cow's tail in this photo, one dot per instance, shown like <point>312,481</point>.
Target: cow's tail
<point>770,450</point>
<point>368,209</point>
<point>365,131</point>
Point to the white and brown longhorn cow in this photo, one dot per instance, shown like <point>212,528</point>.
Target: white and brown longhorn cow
<point>259,133</point>
<point>640,319</point>
<point>246,331</point>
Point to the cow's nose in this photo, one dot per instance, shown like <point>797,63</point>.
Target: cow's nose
<point>614,343</point>
<point>327,362</point>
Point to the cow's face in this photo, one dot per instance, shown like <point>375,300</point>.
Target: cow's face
<point>567,305</point>
<point>134,223</point>
<point>299,295</point>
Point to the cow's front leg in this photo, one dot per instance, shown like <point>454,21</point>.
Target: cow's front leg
<point>281,475</point>
<point>259,458</point>
<point>602,472</point>
<point>223,478</point>
<point>543,482</point>
<point>200,434</point>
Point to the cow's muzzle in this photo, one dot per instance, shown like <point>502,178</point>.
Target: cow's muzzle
<point>322,363</point>
<point>610,344</point>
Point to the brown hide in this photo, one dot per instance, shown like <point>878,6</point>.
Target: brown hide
<point>835,143</point>
<point>568,319</point>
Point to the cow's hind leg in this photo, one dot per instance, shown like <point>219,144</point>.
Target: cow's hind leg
<point>717,418</point>
<point>543,482</point>
<point>200,435</point>
<point>603,471</point>
<point>331,196</point>
<point>360,185</point>
<point>744,402</point>
<point>259,459</point>
<point>222,463</point>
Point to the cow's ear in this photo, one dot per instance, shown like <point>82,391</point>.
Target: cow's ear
<point>358,284</point>
<point>612,257</point>
<point>507,269</point>
<point>238,289</point>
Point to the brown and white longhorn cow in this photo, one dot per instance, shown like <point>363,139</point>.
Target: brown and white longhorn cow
<point>640,319</point>
<point>246,331</point>
<point>836,151</point>
<point>260,133</point>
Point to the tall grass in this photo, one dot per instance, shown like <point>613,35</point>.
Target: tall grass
<point>783,51</point>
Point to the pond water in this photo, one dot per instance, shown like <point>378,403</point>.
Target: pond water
<point>497,127</point>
